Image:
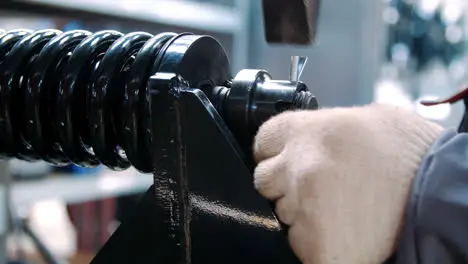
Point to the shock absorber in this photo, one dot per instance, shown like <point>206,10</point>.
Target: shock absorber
<point>81,97</point>
<point>166,104</point>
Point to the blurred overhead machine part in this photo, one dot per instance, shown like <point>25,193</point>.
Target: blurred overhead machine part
<point>290,22</point>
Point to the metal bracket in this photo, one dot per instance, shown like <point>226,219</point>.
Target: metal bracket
<point>203,207</point>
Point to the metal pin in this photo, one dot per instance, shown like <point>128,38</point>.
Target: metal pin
<point>297,66</point>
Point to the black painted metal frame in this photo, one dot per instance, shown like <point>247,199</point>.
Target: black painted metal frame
<point>203,207</point>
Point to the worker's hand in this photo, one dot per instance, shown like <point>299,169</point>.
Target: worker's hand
<point>341,178</point>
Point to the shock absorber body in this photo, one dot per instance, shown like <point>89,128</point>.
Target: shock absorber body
<point>166,104</point>
<point>77,97</point>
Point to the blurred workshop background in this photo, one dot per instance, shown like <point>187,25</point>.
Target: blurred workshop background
<point>393,51</point>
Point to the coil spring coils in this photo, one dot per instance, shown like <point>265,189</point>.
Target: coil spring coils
<point>77,97</point>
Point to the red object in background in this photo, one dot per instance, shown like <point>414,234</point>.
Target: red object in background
<point>461,95</point>
<point>92,221</point>
<point>450,100</point>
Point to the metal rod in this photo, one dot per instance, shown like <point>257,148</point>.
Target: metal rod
<point>41,247</point>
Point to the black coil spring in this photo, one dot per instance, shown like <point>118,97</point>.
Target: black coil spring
<point>77,97</point>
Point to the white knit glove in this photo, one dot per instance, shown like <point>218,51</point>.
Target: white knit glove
<point>341,178</point>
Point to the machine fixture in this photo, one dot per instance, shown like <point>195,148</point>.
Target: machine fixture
<point>168,105</point>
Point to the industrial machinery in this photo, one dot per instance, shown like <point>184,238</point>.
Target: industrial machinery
<point>166,104</point>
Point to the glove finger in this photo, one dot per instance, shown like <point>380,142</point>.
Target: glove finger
<point>286,208</point>
<point>271,137</point>
<point>269,177</point>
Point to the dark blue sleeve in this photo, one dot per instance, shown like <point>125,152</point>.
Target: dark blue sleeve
<point>436,221</point>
